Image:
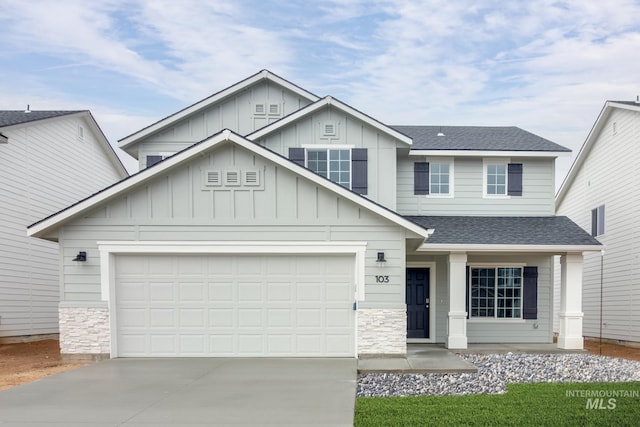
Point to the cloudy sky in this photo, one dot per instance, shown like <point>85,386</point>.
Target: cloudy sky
<point>545,66</point>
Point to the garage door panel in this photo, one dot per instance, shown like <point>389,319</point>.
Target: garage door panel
<point>223,305</point>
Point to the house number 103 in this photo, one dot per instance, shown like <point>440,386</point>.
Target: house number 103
<point>382,279</point>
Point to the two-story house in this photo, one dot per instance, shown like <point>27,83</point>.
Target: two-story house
<point>48,159</point>
<point>267,221</point>
<point>601,195</point>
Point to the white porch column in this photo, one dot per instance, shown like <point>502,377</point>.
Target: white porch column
<point>570,334</point>
<point>457,321</point>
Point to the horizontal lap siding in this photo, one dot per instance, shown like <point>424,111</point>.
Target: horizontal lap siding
<point>610,176</point>
<point>43,168</point>
<point>537,193</point>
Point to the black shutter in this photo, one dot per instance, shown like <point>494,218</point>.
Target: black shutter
<point>467,297</point>
<point>530,293</point>
<point>296,155</point>
<point>359,170</point>
<point>152,160</point>
<point>594,222</point>
<point>421,178</point>
<point>515,179</point>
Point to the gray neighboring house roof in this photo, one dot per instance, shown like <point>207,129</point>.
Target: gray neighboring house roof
<point>487,230</point>
<point>632,103</point>
<point>13,117</point>
<point>510,138</point>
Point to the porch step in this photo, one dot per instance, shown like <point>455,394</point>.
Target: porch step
<point>431,360</point>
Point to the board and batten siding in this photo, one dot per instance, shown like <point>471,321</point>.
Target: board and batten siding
<point>177,207</point>
<point>44,167</point>
<point>537,190</point>
<point>236,113</point>
<point>609,176</point>
<point>350,132</point>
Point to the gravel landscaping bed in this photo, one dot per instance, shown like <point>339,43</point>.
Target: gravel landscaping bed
<point>496,370</point>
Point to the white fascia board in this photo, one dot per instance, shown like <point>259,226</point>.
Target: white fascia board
<point>264,74</point>
<point>108,149</point>
<point>550,249</point>
<point>487,153</point>
<point>41,228</point>
<point>330,101</point>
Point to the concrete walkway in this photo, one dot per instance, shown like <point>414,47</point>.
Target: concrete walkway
<point>421,358</point>
<point>189,392</point>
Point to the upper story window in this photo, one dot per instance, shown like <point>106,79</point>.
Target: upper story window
<point>342,165</point>
<point>502,178</point>
<point>434,178</point>
<point>332,164</point>
<point>597,221</point>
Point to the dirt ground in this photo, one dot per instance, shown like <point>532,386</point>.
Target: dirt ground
<point>30,361</point>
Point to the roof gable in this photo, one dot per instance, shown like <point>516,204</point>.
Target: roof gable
<point>263,75</point>
<point>583,154</point>
<point>15,117</point>
<point>323,103</point>
<point>48,225</point>
<point>478,138</point>
<point>11,118</point>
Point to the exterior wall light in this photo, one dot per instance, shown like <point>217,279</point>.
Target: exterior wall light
<point>82,256</point>
<point>381,257</point>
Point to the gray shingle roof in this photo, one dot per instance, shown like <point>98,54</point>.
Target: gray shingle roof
<point>13,117</point>
<point>477,138</point>
<point>633,103</point>
<point>545,230</point>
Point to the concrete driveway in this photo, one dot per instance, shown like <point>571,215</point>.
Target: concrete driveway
<point>189,392</point>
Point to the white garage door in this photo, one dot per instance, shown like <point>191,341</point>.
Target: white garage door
<point>235,305</point>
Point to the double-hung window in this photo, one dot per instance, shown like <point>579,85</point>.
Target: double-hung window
<point>502,178</point>
<point>434,178</point>
<point>334,164</point>
<point>495,292</point>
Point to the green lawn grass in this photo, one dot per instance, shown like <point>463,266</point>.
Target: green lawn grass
<point>539,404</point>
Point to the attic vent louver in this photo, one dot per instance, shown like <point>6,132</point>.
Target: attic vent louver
<point>251,178</point>
<point>213,178</point>
<point>260,109</point>
<point>232,178</point>
<point>274,109</point>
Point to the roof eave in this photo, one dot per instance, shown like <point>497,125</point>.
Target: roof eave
<point>550,249</point>
<point>487,153</point>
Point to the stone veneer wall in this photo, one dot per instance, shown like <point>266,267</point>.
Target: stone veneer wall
<point>84,330</point>
<point>382,331</point>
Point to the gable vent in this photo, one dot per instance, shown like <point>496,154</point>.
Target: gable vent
<point>232,178</point>
<point>213,178</point>
<point>329,129</point>
<point>260,109</point>
<point>274,109</point>
<point>251,178</point>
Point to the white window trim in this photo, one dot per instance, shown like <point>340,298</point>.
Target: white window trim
<point>495,161</point>
<point>319,147</point>
<point>109,250</point>
<point>441,160</point>
<point>494,319</point>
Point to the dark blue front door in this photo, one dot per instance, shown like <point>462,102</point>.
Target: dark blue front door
<point>417,305</point>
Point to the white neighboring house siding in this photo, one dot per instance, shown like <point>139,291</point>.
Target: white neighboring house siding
<point>609,176</point>
<point>537,190</point>
<point>44,167</point>
<point>173,207</point>
<point>236,113</point>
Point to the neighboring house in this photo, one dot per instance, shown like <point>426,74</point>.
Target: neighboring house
<point>48,159</point>
<point>601,194</point>
<point>312,229</point>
